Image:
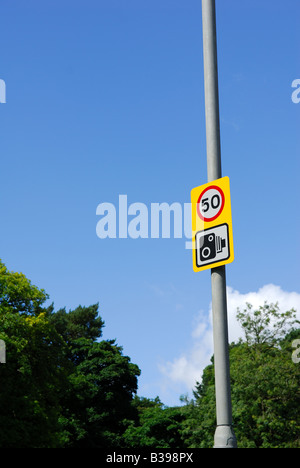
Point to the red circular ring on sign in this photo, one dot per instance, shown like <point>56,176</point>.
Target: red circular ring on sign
<point>211,187</point>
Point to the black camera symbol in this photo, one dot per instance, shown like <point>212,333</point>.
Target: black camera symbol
<point>210,245</point>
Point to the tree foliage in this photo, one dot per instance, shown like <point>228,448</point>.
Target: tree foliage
<point>64,387</point>
<point>60,386</point>
<point>156,426</point>
<point>264,382</point>
<point>34,373</point>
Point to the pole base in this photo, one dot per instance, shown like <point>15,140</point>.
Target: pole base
<point>225,437</point>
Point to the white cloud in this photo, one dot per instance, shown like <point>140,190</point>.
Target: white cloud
<point>187,368</point>
<point>270,293</point>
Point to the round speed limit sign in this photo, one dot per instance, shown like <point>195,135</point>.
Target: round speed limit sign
<point>210,203</point>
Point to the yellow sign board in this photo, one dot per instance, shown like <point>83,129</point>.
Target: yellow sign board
<point>212,225</point>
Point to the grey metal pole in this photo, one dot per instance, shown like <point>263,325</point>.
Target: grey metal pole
<point>224,435</point>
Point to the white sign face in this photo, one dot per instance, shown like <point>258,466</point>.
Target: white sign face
<point>210,203</point>
<point>212,245</point>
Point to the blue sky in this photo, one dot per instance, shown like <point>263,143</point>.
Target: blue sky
<point>106,98</point>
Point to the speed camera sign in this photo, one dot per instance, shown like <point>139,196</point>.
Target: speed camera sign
<point>212,225</point>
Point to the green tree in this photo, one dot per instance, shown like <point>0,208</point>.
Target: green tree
<point>200,413</point>
<point>265,379</point>
<point>157,426</point>
<point>266,325</point>
<point>18,294</point>
<point>60,386</point>
<point>264,383</point>
<point>97,405</point>
<point>33,375</point>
